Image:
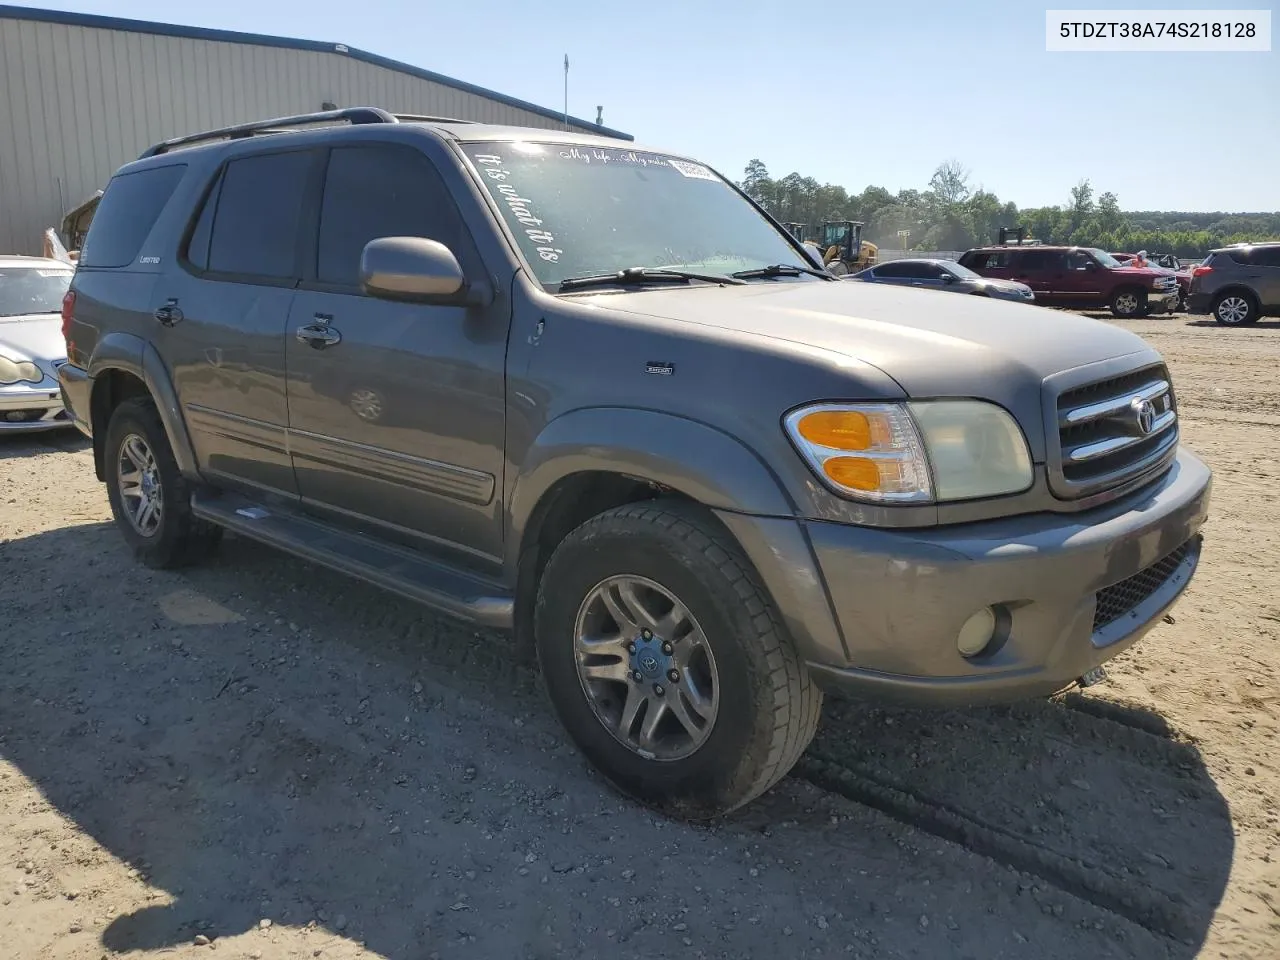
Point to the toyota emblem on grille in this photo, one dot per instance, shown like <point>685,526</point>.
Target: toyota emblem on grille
<point>1144,415</point>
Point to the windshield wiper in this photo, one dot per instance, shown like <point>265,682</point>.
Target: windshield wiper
<point>636,276</point>
<point>781,270</point>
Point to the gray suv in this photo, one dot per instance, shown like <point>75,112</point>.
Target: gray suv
<point>592,395</point>
<point>1237,284</point>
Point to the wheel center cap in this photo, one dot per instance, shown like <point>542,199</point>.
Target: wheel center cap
<point>649,660</point>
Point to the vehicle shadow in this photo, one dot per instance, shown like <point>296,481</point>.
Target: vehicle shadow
<point>16,445</point>
<point>1265,324</point>
<point>261,738</point>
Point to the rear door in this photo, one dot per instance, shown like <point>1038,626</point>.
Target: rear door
<point>233,292</point>
<point>1041,270</point>
<point>399,424</point>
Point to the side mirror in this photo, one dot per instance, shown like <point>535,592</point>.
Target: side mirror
<point>414,269</point>
<point>948,278</point>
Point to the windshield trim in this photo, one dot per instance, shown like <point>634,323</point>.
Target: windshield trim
<point>459,145</point>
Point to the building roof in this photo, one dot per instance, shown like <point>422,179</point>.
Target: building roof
<point>289,43</point>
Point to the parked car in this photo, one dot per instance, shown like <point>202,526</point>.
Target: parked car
<point>932,274</point>
<point>1237,284</point>
<point>31,344</point>
<point>707,485</point>
<point>1165,261</point>
<point>1078,277</point>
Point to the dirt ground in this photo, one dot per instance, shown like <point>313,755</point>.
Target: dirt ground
<point>264,759</point>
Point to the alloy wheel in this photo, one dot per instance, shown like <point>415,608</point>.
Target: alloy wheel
<point>646,668</point>
<point>141,494</point>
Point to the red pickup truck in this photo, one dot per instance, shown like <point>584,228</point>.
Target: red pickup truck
<point>1080,277</point>
<point>1167,262</point>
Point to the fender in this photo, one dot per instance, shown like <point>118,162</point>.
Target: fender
<point>708,465</point>
<point>135,356</point>
<point>700,461</point>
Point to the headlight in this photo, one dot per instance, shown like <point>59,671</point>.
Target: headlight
<point>12,371</point>
<point>935,450</point>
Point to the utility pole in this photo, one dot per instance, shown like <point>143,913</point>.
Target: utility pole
<point>566,91</point>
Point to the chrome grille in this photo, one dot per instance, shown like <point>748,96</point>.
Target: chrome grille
<point>1115,430</point>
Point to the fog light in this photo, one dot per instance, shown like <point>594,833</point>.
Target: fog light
<point>975,636</point>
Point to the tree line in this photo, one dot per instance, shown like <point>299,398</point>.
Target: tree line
<point>953,215</point>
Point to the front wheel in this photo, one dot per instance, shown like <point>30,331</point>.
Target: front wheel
<point>1127,303</point>
<point>667,664</point>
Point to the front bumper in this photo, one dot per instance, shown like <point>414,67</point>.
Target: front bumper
<point>901,597</point>
<point>32,407</point>
<point>1163,302</point>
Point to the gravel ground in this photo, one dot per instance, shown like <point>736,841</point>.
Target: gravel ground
<point>262,758</point>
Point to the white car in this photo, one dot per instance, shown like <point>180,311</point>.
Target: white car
<point>31,343</point>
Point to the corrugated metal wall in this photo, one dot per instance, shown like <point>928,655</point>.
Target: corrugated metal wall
<point>77,102</point>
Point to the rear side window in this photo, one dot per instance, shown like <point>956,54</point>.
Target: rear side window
<point>251,217</point>
<point>129,208</point>
<point>987,260</point>
<point>1042,260</point>
<point>381,190</point>
<point>1266,256</point>
<point>891,271</point>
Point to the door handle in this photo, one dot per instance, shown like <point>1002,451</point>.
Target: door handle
<point>169,314</point>
<point>318,335</point>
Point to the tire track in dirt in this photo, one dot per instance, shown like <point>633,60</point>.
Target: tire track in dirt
<point>1025,786</point>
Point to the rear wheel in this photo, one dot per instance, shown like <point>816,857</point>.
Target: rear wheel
<point>1127,302</point>
<point>666,663</point>
<point>150,499</point>
<point>1235,309</point>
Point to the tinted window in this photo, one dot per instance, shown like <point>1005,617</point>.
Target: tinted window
<point>891,271</point>
<point>255,220</point>
<point>988,260</point>
<point>1078,260</point>
<point>1266,256</point>
<point>198,245</point>
<point>1240,255</point>
<point>381,191</point>
<point>1041,260</point>
<point>129,208</point>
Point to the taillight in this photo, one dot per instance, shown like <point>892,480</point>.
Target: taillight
<point>68,314</point>
<point>1201,271</point>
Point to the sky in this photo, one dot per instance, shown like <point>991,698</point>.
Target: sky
<point>877,95</point>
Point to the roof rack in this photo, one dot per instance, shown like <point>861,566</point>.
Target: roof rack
<point>423,118</point>
<point>352,115</point>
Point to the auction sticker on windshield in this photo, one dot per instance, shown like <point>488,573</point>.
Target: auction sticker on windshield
<point>695,170</point>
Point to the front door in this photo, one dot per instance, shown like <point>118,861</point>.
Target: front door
<point>397,416</point>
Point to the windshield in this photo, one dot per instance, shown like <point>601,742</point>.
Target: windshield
<point>32,290</point>
<point>580,211</point>
<point>1104,258</point>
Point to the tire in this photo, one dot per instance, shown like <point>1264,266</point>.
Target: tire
<point>1127,302</point>
<point>170,536</point>
<point>1235,308</point>
<point>764,705</point>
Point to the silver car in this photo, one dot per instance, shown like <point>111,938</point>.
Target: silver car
<point>944,275</point>
<point>31,343</point>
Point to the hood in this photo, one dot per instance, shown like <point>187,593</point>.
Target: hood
<point>1148,271</point>
<point>931,343</point>
<point>35,337</point>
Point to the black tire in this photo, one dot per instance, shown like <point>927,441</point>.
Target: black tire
<point>768,703</point>
<point>1235,308</point>
<point>1128,302</point>
<point>179,539</point>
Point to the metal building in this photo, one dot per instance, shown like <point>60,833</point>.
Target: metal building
<point>81,94</point>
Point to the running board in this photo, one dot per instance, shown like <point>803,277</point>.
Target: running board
<point>400,570</point>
